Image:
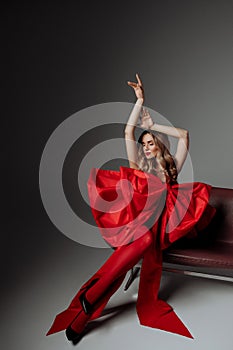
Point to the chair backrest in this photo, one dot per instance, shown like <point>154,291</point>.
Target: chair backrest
<point>221,227</point>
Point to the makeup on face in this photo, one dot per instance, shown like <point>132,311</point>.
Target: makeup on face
<point>150,149</point>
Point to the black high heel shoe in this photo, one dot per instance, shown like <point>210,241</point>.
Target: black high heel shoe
<point>88,308</point>
<point>72,335</point>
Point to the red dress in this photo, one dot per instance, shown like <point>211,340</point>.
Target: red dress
<point>125,204</point>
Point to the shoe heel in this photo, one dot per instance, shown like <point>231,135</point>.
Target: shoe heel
<point>88,308</point>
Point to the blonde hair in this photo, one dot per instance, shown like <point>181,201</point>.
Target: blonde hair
<point>163,160</point>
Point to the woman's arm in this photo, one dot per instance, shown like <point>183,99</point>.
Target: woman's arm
<point>181,134</point>
<point>182,145</point>
<point>130,141</point>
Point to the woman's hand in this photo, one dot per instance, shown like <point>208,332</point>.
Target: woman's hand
<point>146,120</point>
<point>138,87</point>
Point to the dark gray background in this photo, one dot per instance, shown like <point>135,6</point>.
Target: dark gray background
<point>60,58</point>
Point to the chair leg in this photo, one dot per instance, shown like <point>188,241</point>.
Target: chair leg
<point>134,272</point>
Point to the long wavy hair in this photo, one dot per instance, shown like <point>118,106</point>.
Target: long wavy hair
<point>163,160</point>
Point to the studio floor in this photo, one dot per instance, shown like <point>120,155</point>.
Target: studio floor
<point>43,287</point>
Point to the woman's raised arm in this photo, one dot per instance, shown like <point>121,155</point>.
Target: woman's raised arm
<point>130,140</point>
<point>181,134</point>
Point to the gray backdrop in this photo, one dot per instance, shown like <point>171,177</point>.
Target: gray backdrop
<point>61,58</point>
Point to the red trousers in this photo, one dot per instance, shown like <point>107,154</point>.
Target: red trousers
<point>100,287</point>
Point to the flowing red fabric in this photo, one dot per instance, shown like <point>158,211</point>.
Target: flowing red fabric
<point>121,202</point>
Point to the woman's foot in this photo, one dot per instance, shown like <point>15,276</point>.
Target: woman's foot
<point>74,332</point>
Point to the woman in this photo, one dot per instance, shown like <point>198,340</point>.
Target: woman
<point>147,210</point>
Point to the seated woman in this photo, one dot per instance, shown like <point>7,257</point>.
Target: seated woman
<point>147,210</point>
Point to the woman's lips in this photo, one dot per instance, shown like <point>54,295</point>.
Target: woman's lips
<point>147,153</point>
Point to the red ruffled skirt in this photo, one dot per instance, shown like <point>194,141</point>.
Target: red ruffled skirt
<point>125,204</point>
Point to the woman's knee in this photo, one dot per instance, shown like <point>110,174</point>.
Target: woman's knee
<point>147,239</point>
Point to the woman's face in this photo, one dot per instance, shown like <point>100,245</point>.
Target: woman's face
<point>150,149</point>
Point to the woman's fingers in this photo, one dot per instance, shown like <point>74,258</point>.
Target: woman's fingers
<point>146,120</point>
<point>139,80</point>
<point>145,113</point>
<point>138,88</point>
<point>136,85</point>
<point>130,83</point>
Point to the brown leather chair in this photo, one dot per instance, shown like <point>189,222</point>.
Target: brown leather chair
<point>210,254</point>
